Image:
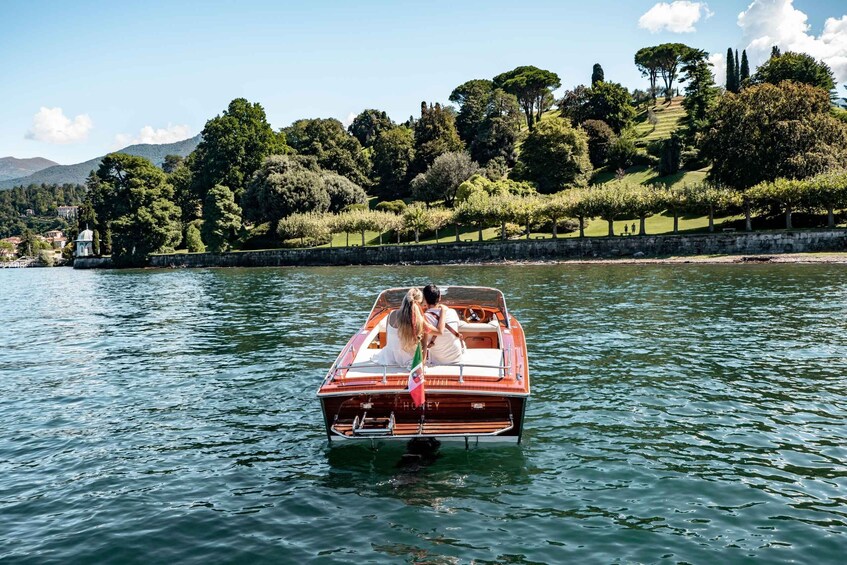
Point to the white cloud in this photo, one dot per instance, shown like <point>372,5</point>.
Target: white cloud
<point>348,120</point>
<point>718,61</point>
<point>678,17</point>
<point>52,126</point>
<point>766,23</point>
<point>148,134</point>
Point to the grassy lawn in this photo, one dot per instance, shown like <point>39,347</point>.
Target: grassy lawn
<point>646,175</point>
<point>668,115</point>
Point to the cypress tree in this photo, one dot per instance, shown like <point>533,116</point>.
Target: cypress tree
<point>775,52</point>
<point>731,82</point>
<point>745,69</point>
<point>737,73</point>
<point>597,74</point>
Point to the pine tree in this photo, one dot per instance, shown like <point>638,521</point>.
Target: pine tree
<point>731,83</point>
<point>775,52</point>
<point>744,75</point>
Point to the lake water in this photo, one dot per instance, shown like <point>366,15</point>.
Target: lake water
<point>685,413</point>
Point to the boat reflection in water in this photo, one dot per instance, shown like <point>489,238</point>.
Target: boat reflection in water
<point>482,398</point>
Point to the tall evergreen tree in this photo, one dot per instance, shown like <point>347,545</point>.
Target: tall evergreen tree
<point>737,72</point>
<point>745,69</point>
<point>435,134</point>
<point>775,52</point>
<point>731,85</point>
<point>597,74</point>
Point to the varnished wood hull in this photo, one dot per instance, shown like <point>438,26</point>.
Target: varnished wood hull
<point>444,416</point>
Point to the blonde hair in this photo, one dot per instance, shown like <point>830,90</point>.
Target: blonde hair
<point>410,319</point>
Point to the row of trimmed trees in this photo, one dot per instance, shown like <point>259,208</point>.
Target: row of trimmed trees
<point>572,208</point>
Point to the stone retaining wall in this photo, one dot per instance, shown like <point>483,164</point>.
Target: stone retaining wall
<point>742,243</point>
<point>93,263</point>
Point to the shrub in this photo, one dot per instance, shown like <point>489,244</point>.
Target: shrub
<point>622,153</point>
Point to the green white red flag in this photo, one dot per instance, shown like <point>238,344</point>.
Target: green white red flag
<point>416,378</point>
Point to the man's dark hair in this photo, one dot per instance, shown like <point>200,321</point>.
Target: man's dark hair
<point>431,294</point>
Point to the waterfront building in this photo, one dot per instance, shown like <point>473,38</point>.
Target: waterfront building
<point>84,243</point>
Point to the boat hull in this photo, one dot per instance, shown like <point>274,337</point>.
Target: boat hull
<point>447,416</point>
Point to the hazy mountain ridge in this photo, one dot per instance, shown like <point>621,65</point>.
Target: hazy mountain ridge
<point>76,174</point>
<point>13,168</point>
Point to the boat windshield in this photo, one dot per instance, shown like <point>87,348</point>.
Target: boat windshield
<point>452,296</point>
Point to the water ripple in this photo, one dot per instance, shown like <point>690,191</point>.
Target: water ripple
<point>679,414</point>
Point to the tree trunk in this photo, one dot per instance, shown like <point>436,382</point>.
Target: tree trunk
<point>555,230</point>
<point>527,228</point>
<point>380,238</point>
<point>363,238</point>
<point>788,218</point>
<point>417,236</point>
<point>480,232</point>
<point>830,217</point>
<point>398,236</point>
<point>457,233</point>
<point>503,230</point>
<point>675,221</point>
<point>748,223</point>
<point>347,233</point>
<point>581,226</point>
<point>642,229</point>
<point>436,235</point>
<point>611,228</point>
<point>711,219</point>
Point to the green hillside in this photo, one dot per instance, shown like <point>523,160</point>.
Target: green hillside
<point>668,117</point>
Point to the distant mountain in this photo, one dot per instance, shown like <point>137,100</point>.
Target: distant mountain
<point>76,174</point>
<point>12,168</point>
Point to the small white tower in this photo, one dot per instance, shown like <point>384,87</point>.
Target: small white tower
<point>84,243</point>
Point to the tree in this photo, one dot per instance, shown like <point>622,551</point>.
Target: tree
<point>671,156</point>
<point>342,192</point>
<point>285,185</point>
<point>606,101</point>
<point>533,87</point>
<point>416,218</point>
<point>193,239</point>
<point>704,198</point>
<point>744,72</point>
<point>597,74</point>
<point>476,210</point>
<point>442,180</point>
<point>788,194</point>
<point>222,219</point>
<point>600,139</point>
<point>310,226</point>
<point>233,147</point>
<point>171,162</point>
<point>769,131</point>
<point>498,132</point>
<point>435,134</point>
<point>608,201</point>
<point>731,78</point>
<point>393,154</point>
<point>554,155</point>
<point>473,98</point>
<point>828,191</point>
<point>332,146</point>
<point>798,67</point>
<point>136,205</point>
<point>674,199</point>
<point>668,57</point>
<point>647,62</point>
<point>368,125</point>
<point>700,92</point>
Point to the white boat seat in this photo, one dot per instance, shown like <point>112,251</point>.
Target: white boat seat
<point>488,361</point>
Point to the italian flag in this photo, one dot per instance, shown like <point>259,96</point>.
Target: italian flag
<point>416,378</point>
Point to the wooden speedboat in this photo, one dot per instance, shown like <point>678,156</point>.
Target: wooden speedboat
<point>481,398</point>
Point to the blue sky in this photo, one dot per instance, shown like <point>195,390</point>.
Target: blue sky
<point>156,71</point>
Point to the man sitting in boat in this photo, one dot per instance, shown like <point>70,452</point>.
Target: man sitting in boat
<point>448,347</point>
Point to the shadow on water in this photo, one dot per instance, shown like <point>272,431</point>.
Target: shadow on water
<point>419,474</point>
